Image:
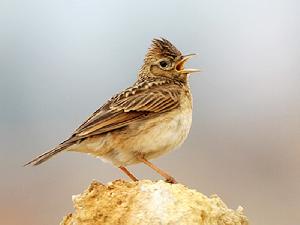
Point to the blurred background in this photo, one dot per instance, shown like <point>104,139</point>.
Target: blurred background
<point>60,60</point>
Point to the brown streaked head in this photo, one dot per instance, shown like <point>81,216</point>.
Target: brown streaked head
<point>163,59</point>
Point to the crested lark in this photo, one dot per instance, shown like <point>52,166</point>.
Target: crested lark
<point>144,121</point>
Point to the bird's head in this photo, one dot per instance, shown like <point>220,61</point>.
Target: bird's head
<point>164,60</point>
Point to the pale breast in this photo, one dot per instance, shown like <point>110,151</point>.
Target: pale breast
<point>167,134</point>
<point>163,133</point>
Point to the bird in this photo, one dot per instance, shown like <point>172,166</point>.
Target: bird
<point>144,121</point>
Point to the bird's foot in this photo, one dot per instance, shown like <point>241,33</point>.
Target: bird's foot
<point>171,180</point>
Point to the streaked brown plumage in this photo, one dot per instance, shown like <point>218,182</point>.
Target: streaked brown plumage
<point>146,120</point>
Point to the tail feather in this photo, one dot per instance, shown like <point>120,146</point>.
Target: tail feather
<point>47,155</point>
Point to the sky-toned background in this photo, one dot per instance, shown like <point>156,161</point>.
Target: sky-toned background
<point>60,60</point>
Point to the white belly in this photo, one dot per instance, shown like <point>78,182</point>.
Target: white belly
<point>165,135</point>
<point>153,139</point>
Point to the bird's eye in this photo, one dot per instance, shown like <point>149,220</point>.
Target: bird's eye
<point>163,64</point>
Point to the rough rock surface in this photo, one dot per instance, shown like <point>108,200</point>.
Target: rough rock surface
<point>152,203</point>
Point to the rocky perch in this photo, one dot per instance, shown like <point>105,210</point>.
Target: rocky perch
<point>152,203</point>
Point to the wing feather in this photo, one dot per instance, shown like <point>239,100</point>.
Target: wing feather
<point>128,107</point>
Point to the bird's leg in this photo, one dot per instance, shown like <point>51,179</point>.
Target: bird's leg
<point>168,178</point>
<point>126,171</point>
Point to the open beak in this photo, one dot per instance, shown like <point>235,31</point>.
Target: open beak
<point>180,65</point>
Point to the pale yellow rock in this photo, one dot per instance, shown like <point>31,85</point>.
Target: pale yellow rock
<point>149,203</point>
